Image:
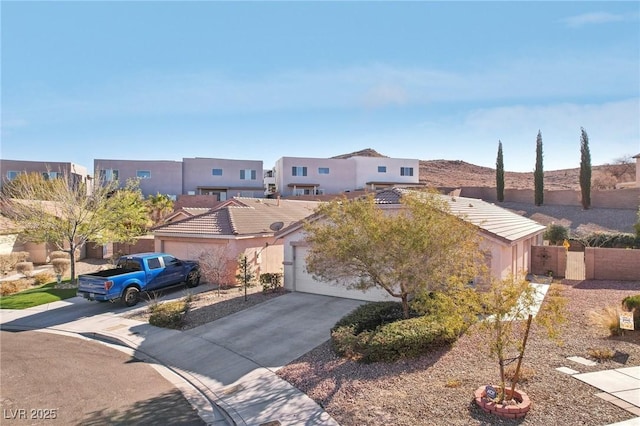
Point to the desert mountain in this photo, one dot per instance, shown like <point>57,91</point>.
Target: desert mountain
<point>455,173</point>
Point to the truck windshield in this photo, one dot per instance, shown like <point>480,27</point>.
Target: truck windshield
<point>129,264</point>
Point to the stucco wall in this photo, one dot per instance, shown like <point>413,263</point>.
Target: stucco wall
<point>166,175</point>
<point>612,264</point>
<point>628,198</point>
<point>9,243</point>
<point>341,176</point>
<point>549,258</point>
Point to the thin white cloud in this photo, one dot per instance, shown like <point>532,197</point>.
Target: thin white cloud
<point>594,18</point>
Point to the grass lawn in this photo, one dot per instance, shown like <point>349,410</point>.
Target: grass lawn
<point>36,296</point>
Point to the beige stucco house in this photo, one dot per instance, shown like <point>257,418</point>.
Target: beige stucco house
<point>238,226</point>
<point>506,237</point>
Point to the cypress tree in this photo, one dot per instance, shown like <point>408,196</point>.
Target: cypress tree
<point>585,169</point>
<point>538,174</point>
<point>500,173</point>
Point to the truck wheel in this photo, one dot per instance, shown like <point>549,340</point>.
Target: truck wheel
<point>131,296</point>
<point>193,279</point>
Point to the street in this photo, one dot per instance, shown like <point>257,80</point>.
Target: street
<point>53,378</point>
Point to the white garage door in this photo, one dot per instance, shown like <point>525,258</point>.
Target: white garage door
<point>305,283</point>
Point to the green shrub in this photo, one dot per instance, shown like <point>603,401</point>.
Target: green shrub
<point>24,268</point>
<point>405,339</point>
<point>42,278</point>
<point>271,282</point>
<point>556,234</point>
<point>371,315</point>
<point>168,314</point>
<point>632,304</point>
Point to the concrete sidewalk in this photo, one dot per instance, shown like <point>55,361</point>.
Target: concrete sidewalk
<point>231,362</point>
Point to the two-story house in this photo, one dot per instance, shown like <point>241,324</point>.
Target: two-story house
<point>217,177</point>
<point>316,176</point>
<point>10,169</point>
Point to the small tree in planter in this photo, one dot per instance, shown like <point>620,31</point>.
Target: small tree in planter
<point>509,311</point>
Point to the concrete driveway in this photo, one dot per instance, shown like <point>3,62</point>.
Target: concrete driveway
<point>278,331</point>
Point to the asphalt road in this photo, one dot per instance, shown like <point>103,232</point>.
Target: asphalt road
<point>56,379</point>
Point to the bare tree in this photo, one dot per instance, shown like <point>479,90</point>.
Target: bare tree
<point>60,212</point>
<point>214,266</point>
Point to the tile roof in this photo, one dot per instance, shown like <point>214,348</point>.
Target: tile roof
<point>492,219</point>
<point>247,217</point>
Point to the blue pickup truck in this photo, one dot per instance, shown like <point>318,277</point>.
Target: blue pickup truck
<point>136,273</point>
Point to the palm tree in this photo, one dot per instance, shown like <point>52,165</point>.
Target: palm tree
<point>159,206</point>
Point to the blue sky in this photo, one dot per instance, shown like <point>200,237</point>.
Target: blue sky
<point>262,80</point>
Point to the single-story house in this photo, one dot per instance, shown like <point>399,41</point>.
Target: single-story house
<point>506,237</point>
<point>238,226</point>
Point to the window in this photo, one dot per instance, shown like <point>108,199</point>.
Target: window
<point>108,175</point>
<point>11,175</point>
<point>154,263</point>
<point>143,174</point>
<point>406,171</point>
<point>382,169</point>
<point>216,172</point>
<point>323,170</point>
<point>298,171</point>
<point>169,261</point>
<point>50,175</point>
<point>247,174</point>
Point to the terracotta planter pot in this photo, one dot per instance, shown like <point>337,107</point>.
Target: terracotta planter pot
<point>514,409</point>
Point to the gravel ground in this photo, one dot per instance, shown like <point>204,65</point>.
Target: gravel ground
<point>437,389</point>
<point>211,305</point>
<point>580,221</point>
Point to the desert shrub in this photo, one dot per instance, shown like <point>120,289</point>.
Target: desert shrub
<point>24,268</point>
<point>22,256</point>
<point>601,354</point>
<point>14,286</point>
<point>61,265</point>
<point>632,304</point>
<point>607,318</point>
<point>42,278</point>
<point>271,282</point>
<point>606,240</point>
<point>371,315</point>
<point>556,234</point>
<point>58,254</point>
<point>169,314</point>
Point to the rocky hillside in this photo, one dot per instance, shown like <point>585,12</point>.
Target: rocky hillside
<point>452,173</point>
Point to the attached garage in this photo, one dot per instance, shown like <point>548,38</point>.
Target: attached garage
<point>304,282</point>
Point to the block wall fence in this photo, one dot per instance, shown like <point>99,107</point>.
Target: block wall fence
<point>600,263</point>
<point>628,198</point>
